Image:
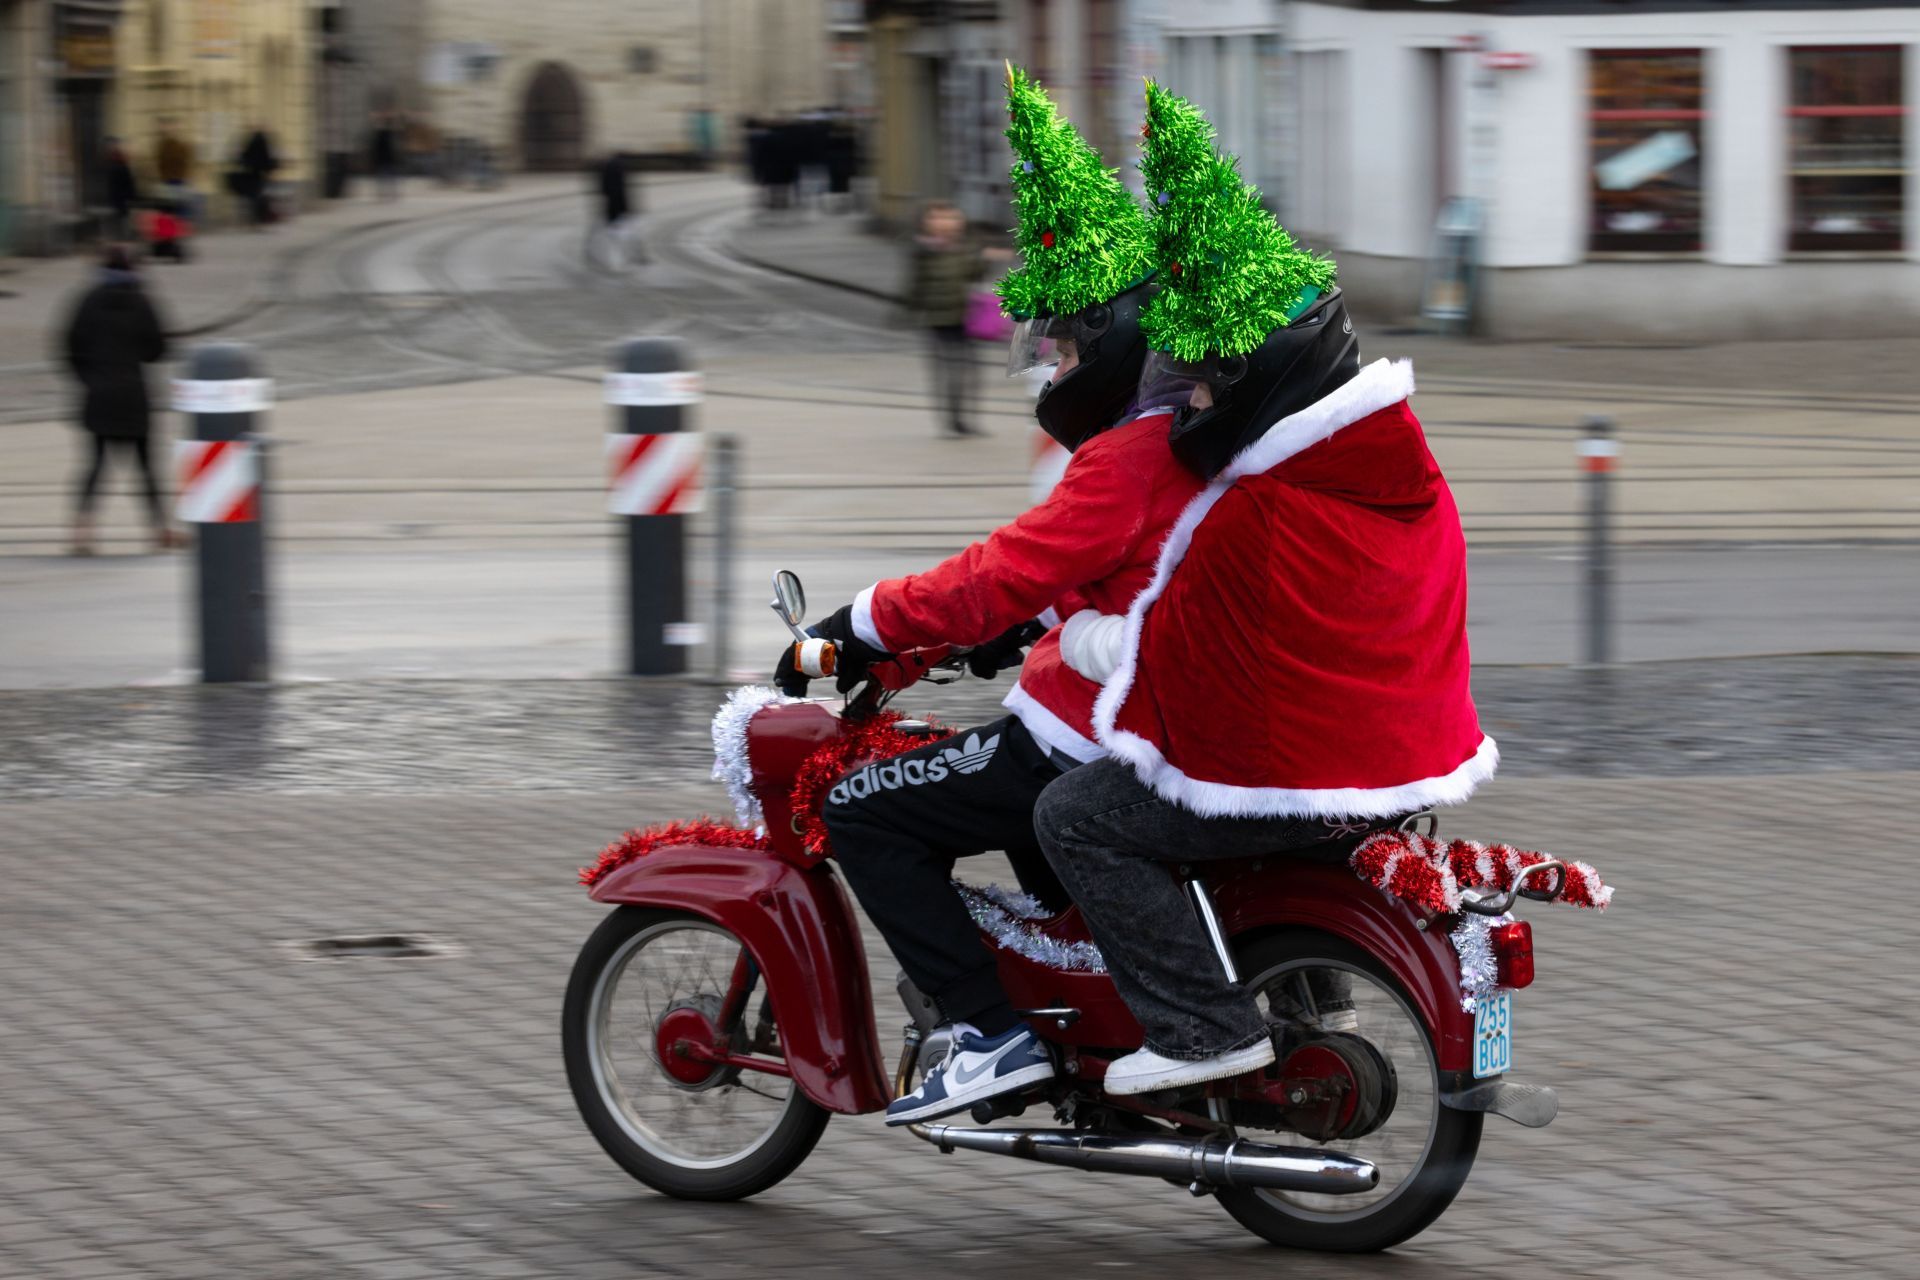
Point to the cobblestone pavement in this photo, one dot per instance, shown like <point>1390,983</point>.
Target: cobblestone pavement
<point>182,1098</point>
<point>1663,719</point>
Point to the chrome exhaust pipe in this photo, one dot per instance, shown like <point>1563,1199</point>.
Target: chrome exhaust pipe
<point>1200,1162</point>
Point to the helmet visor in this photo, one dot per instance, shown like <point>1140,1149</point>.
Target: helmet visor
<point>1167,383</point>
<point>1036,344</point>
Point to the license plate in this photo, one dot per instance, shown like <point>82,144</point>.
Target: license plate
<point>1493,1035</point>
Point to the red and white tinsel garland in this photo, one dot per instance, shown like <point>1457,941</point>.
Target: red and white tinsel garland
<point>1432,874</point>
<point>859,743</point>
<point>637,844</point>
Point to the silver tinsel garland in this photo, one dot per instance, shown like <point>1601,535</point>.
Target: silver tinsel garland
<point>1479,970</point>
<point>1009,917</point>
<point>730,764</point>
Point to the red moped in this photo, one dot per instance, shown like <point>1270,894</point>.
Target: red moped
<point>722,1013</point>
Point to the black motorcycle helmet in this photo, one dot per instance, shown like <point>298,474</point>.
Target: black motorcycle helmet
<point>1092,395</point>
<point>1297,364</point>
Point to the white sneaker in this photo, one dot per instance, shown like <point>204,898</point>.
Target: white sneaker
<point>1146,1071</point>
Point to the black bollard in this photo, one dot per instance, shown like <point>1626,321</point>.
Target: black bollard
<point>1598,451</point>
<point>221,473</point>
<point>654,457</point>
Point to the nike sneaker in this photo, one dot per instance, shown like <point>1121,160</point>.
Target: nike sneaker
<point>1145,1071</point>
<point>978,1067</point>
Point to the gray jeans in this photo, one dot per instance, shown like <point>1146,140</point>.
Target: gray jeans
<point>1115,846</point>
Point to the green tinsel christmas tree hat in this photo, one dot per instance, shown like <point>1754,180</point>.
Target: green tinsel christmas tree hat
<point>1232,275</point>
<point>1082,236</point>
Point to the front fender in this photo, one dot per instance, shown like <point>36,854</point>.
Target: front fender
<point>1286,892</point>
<point>799,928</point>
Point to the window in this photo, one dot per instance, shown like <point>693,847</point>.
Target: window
<point>1848,119</point>
<point>1645,125</point>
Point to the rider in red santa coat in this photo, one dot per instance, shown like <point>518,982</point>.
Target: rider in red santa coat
<point>896,831</point>
<point>1297,671</point>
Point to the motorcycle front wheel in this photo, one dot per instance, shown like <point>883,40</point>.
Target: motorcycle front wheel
<point>1424,1150</point>
<point>693,1132</point>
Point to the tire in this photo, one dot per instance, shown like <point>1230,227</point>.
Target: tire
<point>609,1091</point>
<point>1434,1177</point>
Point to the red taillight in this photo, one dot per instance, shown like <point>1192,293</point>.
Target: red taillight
<point>1513,952</point>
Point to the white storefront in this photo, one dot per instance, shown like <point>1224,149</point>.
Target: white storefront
<point>1730,171</point>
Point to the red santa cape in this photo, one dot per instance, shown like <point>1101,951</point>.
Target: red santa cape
<point>1302,647</point>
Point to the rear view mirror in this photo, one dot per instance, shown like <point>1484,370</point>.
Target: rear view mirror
<point>790,600</point>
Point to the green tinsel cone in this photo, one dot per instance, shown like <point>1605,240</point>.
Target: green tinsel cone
<point>1231,275</point>
<point>1082,236</point>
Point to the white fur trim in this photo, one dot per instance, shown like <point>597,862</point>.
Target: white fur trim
<point>863,628</point>
<point>1049,617</point>
<point>1049,729</point>
<point>1378,386</point>
<point>1220,799</point>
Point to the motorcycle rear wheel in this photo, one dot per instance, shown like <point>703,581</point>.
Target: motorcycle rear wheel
<point>1423,1181</point>
<point>726,1137</point>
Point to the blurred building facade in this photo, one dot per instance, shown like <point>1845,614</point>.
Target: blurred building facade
<point>939,68</point>
<point>552,85</point>
<point>212,72</point>
<point>939,106</point>
<point>1625,168</point>
<point>1645,169</point>
<point>371,64</point>
<point>58,72</point>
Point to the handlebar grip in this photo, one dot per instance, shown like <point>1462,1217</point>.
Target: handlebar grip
<point>815,658</point>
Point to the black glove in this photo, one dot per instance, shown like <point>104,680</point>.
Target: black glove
<point>1005,651</point>
<point>853,658</point>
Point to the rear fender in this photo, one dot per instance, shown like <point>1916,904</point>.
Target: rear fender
<point>799,928</point>
<point>1274,893</point>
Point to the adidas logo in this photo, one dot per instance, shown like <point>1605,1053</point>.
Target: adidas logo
<point>970,756</point>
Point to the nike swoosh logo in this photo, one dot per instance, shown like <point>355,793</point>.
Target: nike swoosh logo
<point>961,1075</point>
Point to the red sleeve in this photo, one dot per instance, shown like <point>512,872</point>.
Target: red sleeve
<point>1084,531</point>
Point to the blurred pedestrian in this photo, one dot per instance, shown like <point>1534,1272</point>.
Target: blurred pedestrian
<point>783,164</point>
<point>383,156</point>
<point>944,266</point>
<point>173,165</point>
<point>759,139</point>
<point>113,334</point>
<point>122,191</point>
<point>843,162</point>
<point>173,157</point>
<point>167,231</point>
<point>256,164</point>
<point>613,241</point>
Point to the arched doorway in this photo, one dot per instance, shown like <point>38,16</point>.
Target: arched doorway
<point>553,120</point>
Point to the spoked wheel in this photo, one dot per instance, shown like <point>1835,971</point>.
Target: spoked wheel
<point>653,996</point>
<point>1357,1029</point>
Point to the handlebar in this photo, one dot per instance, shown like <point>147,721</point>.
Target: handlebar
<point>817,659</point>
<point>1500,904</point>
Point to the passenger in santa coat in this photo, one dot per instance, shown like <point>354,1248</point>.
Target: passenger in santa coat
<point>1296,674</point>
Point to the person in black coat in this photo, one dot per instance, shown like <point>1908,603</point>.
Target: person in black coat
<point>123,192</point>
<point>383,156</point>
<point>614,242</point>
<point>257,163</point>
<point>113,335</point>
